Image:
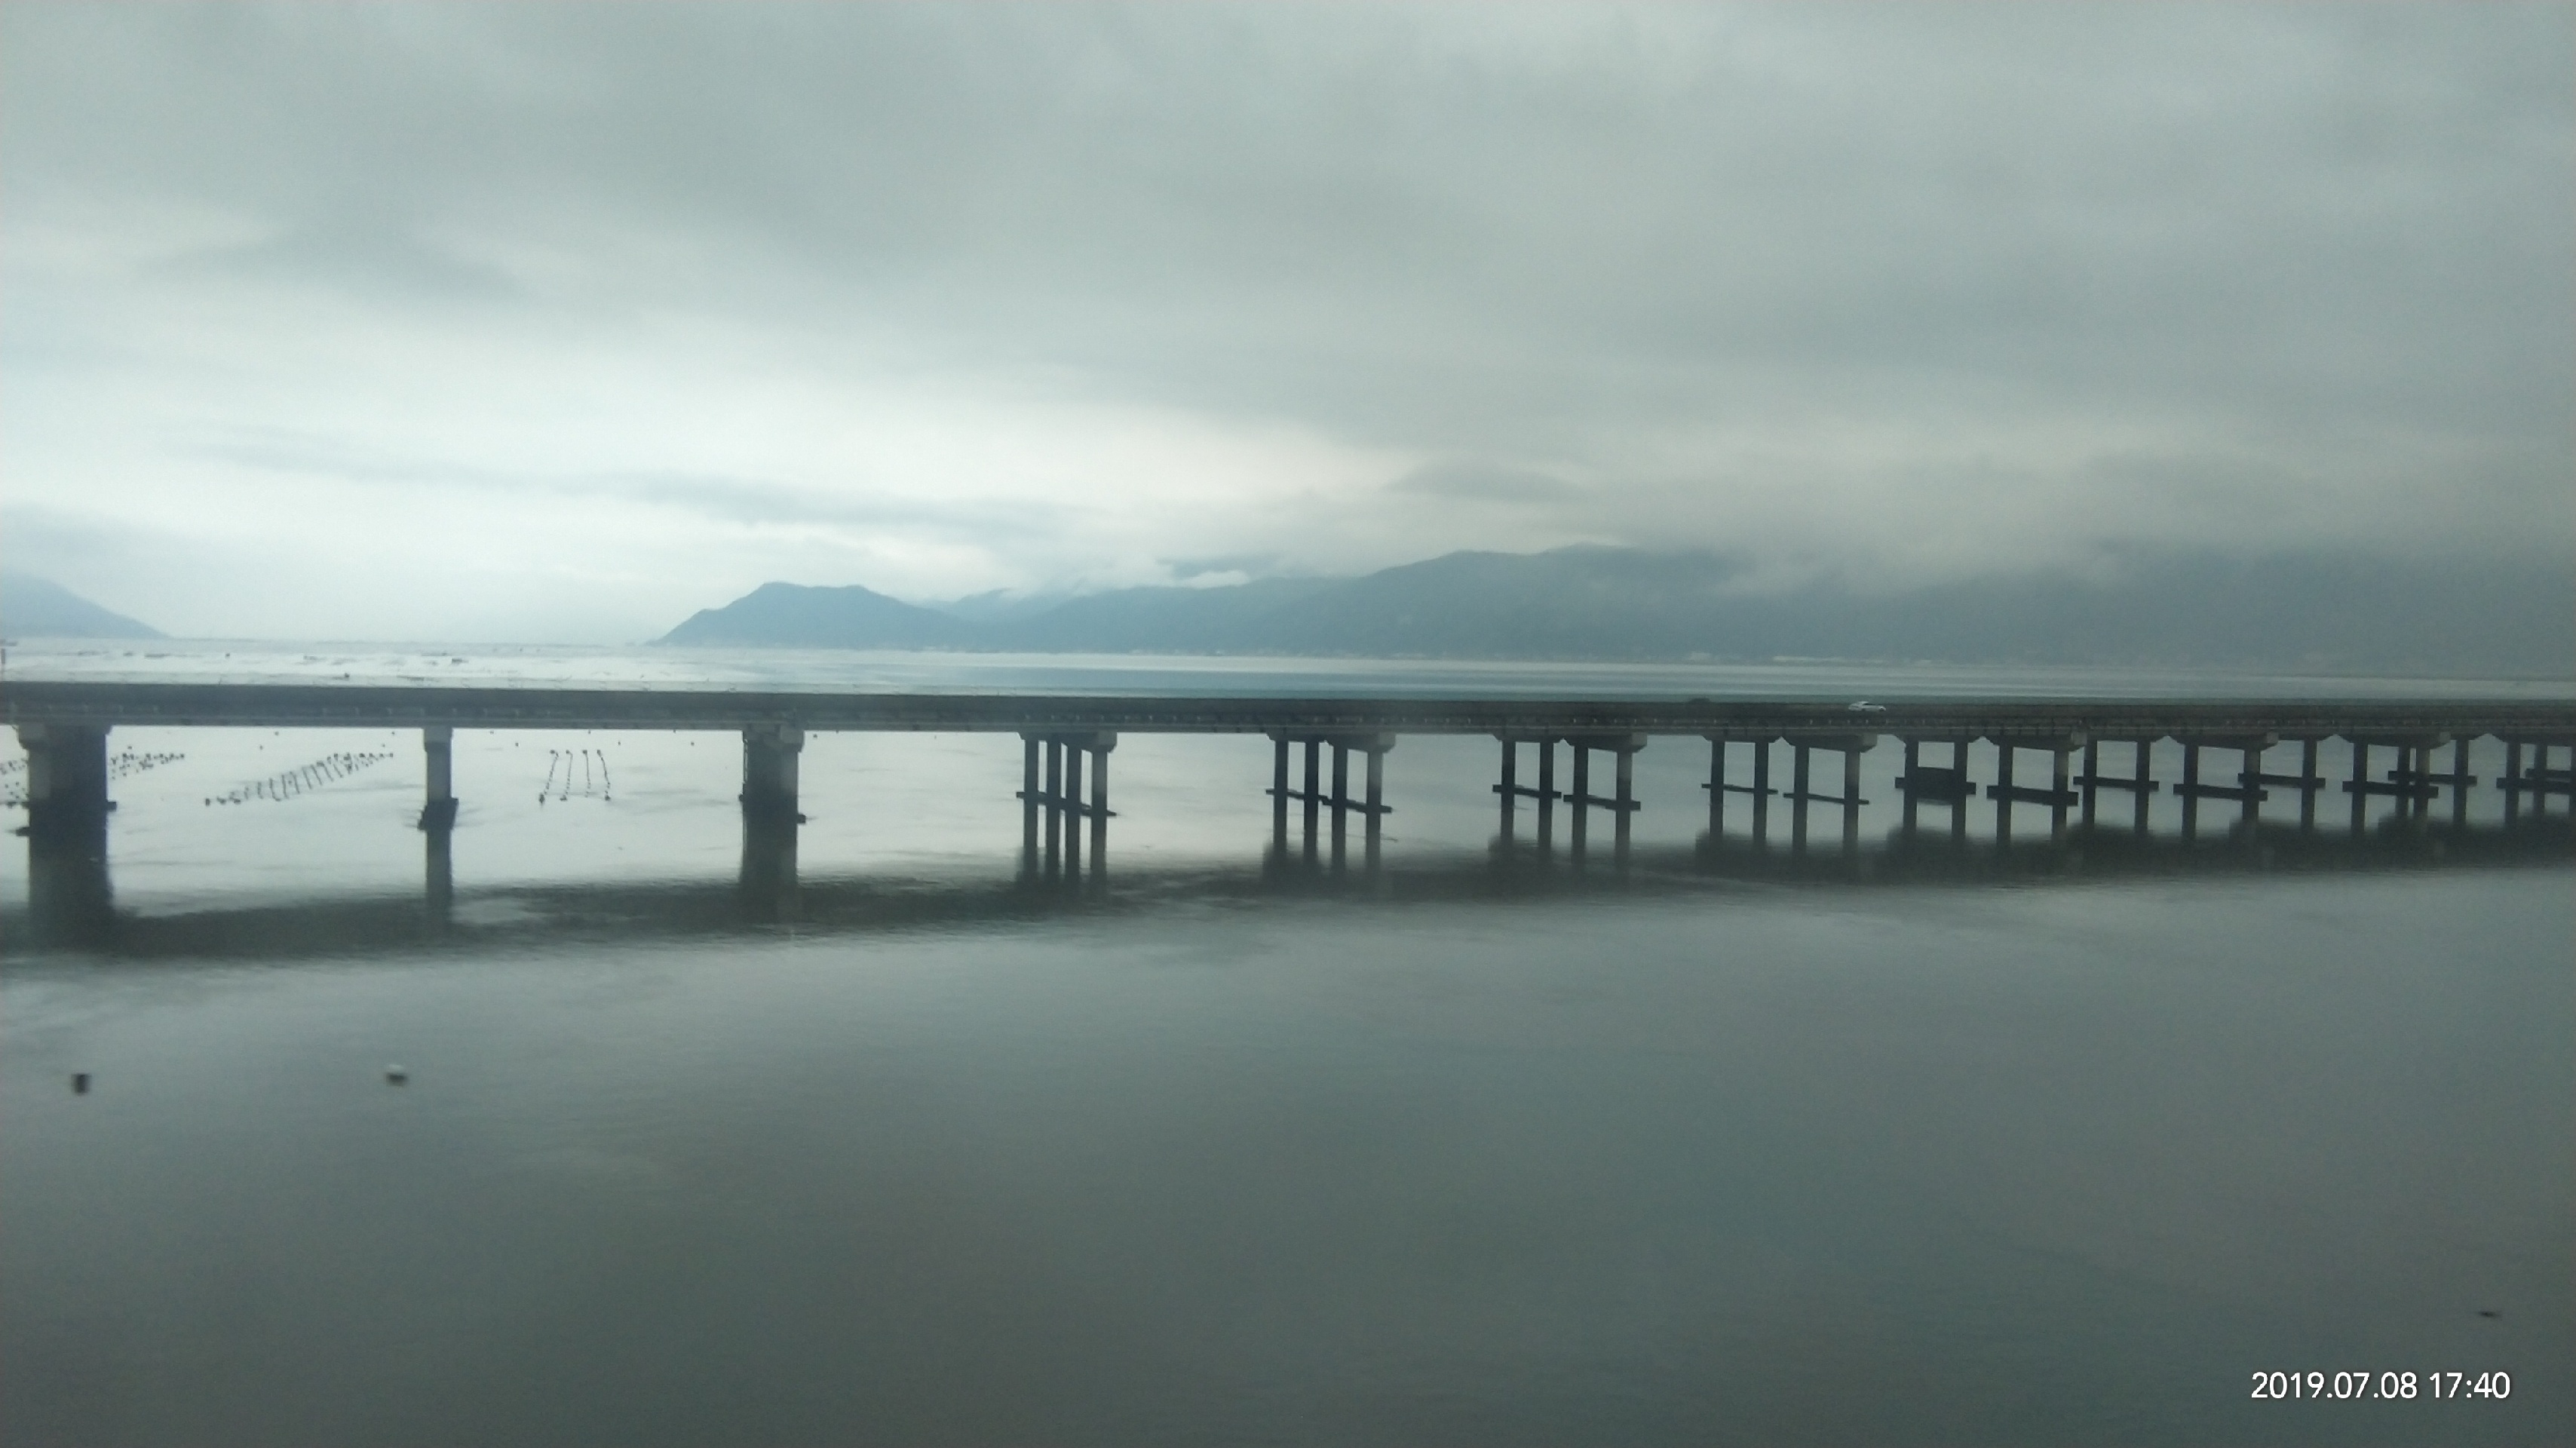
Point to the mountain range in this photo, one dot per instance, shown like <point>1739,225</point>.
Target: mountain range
<point>32,607</point>
<point>2318,611</point>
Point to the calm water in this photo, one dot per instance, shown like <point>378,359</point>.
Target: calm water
<point>1937,1140</point>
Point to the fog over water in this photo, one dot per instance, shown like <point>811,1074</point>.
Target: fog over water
<point>1940,1138</point>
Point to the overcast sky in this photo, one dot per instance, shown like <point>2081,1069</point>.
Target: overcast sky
<point>564,321</point>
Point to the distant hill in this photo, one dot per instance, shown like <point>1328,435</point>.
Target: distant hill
<point>784,615</point>
<point>2320,611</point>
<point>38,608</point>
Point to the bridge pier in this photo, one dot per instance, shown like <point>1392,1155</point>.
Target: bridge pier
<point>438,822</point>
<point>2460,782</point>
<point>1622,802</point>
<point>1068,811</point>
<point>1317,795</point>
<point>1341,801</point>
<point>2540,780</point>
<point>2057,796</point>
<point>438,795</point>
<point>2093,780</point>
<point>69,899</point>
<point>769,765</point>
<point>1512,791</point>
<point>2410,781</point>
<point>1718,789</point>
<point>66,780</point>
<point>767,883</point>
<point>1851,747</point>
<point>1940,784</point>
<point>1052,807</point>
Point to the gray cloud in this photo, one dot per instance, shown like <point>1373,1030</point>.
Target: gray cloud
<point>1752,272</point>
<point>1485,483</point>
<point>730,499</point>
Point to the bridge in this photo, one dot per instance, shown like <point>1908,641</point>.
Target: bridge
<point>1064,783</point>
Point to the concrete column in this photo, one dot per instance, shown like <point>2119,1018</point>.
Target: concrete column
<point>438,804</point>
<point>2307,786</point>
<point>2003,790</point>
<point>2146,750</point>
<point>1580,796</point>
<point>1029,805</point>
<point>1546,792</point>
<point>1054,807</point>
<point>1073,809</point>
<point>2252,811</point>
<point>2057,759</point>
<point>1798,793</point>
<point>1851,800</point>
<point>1967,792</point>
<point>1314,786</point>
<point>2190,789</point>
<point>68,895</point>
<point>1716,789</point>
<point>1761,789</point>
<point>769,819</point>
<point>2360,786</point>
<point>1913,780</point>
<point>66,779</point>
<point>1626,795</point>
<point>1509,789</point>
<point>2460,782</point>
<point>1376,798</point>
<point>2092,772</point>
<point>1101,744</point>
<point>769,758</point>
<point>2512,781</point>
<point>1341,798</point>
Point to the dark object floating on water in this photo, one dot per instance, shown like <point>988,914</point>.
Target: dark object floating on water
<point>2489,1312</point>
<point>80,1083</point>
<point>396,1075</point>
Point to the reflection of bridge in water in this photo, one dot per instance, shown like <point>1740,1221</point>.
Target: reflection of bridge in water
<point>1510,873</point>
<point>2434,753</point>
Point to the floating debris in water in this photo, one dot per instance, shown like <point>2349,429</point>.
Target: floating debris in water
<point>80,1083</point>
<point>396,1075</point>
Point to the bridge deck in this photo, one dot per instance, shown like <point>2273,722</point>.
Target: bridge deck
<point>379,706</point>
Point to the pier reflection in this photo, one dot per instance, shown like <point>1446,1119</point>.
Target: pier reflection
<point>70,905</point>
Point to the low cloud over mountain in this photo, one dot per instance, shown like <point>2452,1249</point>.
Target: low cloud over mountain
<point>2318,610</point>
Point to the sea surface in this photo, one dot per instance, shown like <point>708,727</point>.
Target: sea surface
<point>1990,1130</point>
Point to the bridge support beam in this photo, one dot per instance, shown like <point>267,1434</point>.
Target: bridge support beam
<point>1622,802</point>
<point>1318,794</point>
<point>438,822</point>
<point>438,795</point>
<point>770,753</point>
<point>1512,791</point>
<point>1718,789</point>
<point>68,895</point>
<point>2057,796</point>
<point>1851,747</point>
<point>1053,808</point>
<point>768,885</point>
<point>66,780</point>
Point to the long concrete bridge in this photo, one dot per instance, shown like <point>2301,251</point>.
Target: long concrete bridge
<point>1068,738</point>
